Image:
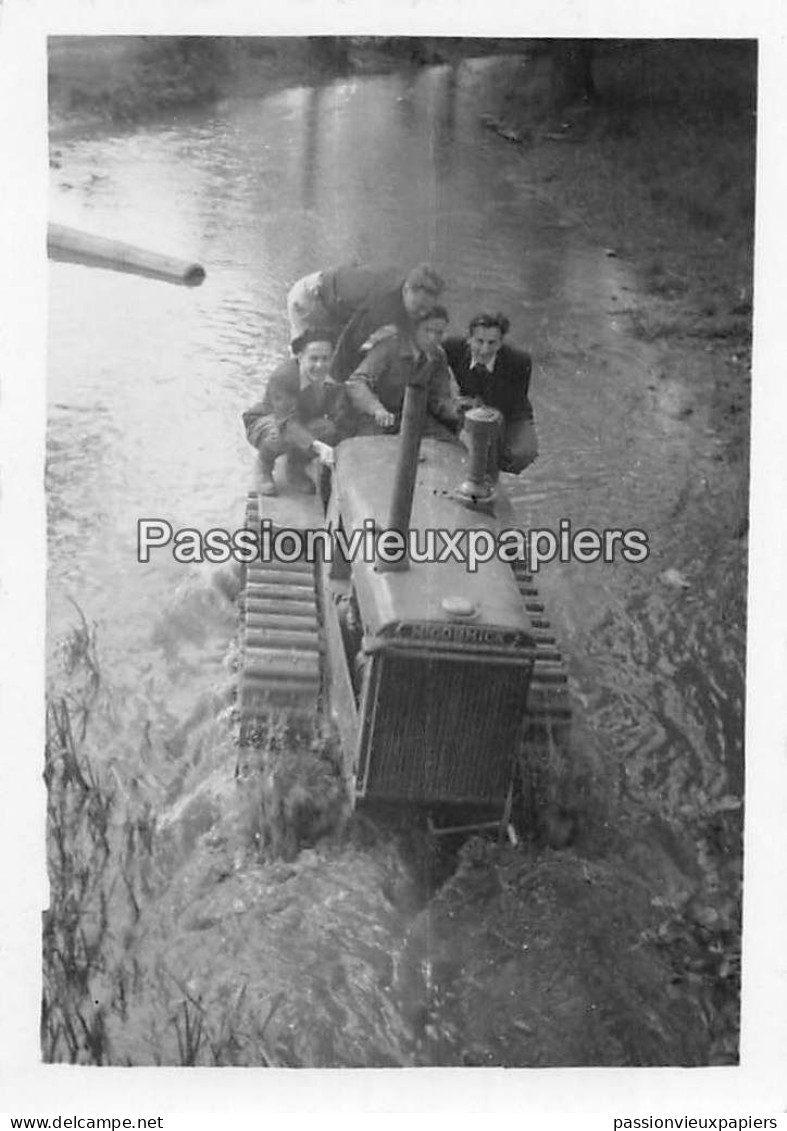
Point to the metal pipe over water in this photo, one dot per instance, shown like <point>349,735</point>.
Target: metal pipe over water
<point>70,245</point>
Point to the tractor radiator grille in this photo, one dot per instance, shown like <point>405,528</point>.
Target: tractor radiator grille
<point>441,730</point>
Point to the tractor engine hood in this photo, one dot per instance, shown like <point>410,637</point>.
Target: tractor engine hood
<point>478,610</point>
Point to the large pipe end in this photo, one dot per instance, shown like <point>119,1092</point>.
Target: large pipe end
<point>70,245</point>
<point>194,275</point>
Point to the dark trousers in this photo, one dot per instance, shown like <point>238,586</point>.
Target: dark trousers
<point>519,445</point>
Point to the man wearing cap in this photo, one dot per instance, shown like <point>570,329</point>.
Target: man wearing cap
<point>490,372</point>
<point>355,301</point>
<point>303,414</point>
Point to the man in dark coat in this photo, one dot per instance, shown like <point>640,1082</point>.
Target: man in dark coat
<point>355,301</point>
<point>490,372</point>
<point>302,414</point>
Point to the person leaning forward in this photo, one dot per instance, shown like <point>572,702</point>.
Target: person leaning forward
<point>490,372</point>
<point>377,386</point>
<point>303,414</point>
<point>355,301</point>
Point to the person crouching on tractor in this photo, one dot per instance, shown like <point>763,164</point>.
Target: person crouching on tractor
<point>376,389</point>
<point>355,301</point>
<point>491,373</point>
<point>303,414</point>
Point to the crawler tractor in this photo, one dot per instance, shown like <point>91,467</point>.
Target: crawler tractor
<point>443,683</point>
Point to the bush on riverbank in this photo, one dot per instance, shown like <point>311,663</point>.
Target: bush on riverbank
<point>123,78</point>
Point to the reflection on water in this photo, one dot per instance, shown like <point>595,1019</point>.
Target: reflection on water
<point>147,383</point>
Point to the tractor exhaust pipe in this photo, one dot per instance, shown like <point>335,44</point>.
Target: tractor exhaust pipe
<point>413,417</point>
<point>69,245</point>
<point>481,434</point>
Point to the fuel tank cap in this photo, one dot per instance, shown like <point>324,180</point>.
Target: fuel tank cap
<point>458,607</point>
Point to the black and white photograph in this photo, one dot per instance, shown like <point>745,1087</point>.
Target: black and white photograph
<point>395,474</point>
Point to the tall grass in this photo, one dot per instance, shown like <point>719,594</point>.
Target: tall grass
<point>109,997</point>
<point>80,813</point>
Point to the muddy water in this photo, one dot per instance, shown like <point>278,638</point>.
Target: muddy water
<point>146,386</point>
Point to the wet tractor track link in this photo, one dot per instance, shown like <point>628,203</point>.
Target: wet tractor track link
<point>281,643</point>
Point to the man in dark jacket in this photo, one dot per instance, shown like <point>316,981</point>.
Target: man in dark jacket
<point>355,301</point>
<point>302,415</point>
<point>490,372</point>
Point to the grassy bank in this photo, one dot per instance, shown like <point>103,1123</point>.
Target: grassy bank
<point>124,78</point>
<point>659,167</point>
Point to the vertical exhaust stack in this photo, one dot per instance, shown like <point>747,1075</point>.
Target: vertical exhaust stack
<point>413,416</point>
<point>482,428</point>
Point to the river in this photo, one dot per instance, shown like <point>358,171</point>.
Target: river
<point>146,384</point>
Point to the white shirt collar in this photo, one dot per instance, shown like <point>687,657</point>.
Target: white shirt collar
<point>488,365</point>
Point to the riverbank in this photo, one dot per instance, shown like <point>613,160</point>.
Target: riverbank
<point>659,169</point>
